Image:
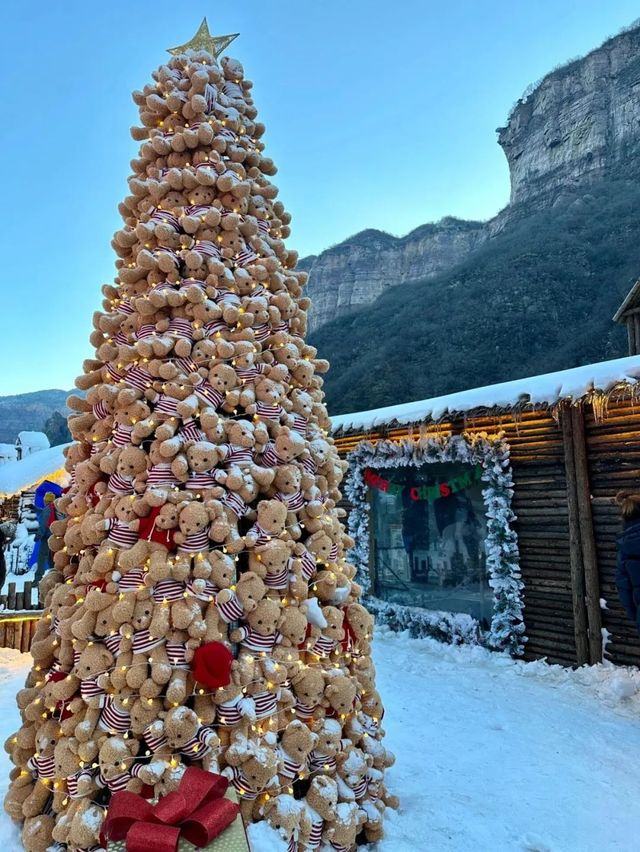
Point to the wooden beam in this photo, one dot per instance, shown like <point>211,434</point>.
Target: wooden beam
<point>575,551</point>
<point>587,537</point>
<point>636,333</point>
<point>631,336</point>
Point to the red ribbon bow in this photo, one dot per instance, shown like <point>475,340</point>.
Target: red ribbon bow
<point>196,811</point>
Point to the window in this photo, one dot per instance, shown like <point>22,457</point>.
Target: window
<point>428,528</point>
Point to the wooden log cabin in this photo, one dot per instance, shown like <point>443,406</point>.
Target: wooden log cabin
<point>574,442</point>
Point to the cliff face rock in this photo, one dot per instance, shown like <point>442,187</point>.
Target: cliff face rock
<point>357,271</point>
<point>581,122</point>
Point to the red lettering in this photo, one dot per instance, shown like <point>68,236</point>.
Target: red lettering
<point>413,493</point>
<point>445,490</point>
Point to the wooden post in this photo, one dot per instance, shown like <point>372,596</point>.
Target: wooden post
<point>587,537</point>
<point>17,636</point>
<point>636,333</point>
<point>11,596</point>
<point>575,551</point>
<point>631,336</point>
<point>28,586</point>
<point>20,601</point>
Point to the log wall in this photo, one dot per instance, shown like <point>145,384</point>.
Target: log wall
<point>17,630</point>
<point>566,538</point>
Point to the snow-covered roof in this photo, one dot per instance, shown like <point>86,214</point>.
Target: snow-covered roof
<point>630,301</point>
<point>547,389</point>
<point>33,440</point>
<point>21,475</point>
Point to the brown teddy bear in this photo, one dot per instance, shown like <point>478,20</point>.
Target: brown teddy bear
<point>308,686</point>
<point>235,711</point>
<point>271,561</point>
<point>251,773</point>
<point>42,768</point>
<point>118,768</point>
<point>328,745</point>
<point>358,629</point>
<point>283,813</point>
<point>296,743</point>
<point>319,810</point>
<point>340,695</point>
<point>340,834</point>
<point>259,634</point>
<point>234,604</point>
<point>322,643</point>
<point>270,523</point>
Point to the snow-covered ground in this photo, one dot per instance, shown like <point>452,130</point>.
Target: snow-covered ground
<point>492,755</point>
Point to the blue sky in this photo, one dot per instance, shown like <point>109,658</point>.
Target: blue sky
<point>378,115</point>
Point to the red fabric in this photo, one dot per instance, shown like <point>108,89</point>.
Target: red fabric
<point>195,811</point>
<point>211,665</point>
<point>302,646</point>
<point>150,532</point>
<point>350,638</point>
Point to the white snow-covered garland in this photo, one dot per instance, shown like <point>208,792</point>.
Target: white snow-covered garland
<point>492,454</point>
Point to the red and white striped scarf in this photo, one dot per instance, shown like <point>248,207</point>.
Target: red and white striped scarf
<point>293,502</point>
<point>168,590</point>
<point>309,566</point>
<point>161,474</point>
<point>279,580</point>
<point>190,431</point>
<point>114,718</point>
<point>72,786</point>
<point>288,767</point>
<point>180,327</point>
<point>267,411</point>
<point>266,704</point>
<point>322,762</point>
<point>138,377</point>
<point>209,394</point>
<point>132,581</point>
<point>101,410</point>
<point>204,590</point>
<point>234,502</point>
<point>202,479</point>
<point>241,785</point>
<point>214,327</point>
<point>90,688</point>
<point>121,435</point>
<point>230,610</point>
<point>177,654</point>
<point>143,641</point>
<point>251,640</point>
<point>197,542</point>
<point>166,404</point>
<point>304,711</point>
<point>42,766</point>
<point>323,646</point>
<point>120,484</point>
<point>120,533</point>
<point>207,248</point>
<point>300,424</point>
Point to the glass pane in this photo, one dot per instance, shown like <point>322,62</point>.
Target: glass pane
<point>429,527</point>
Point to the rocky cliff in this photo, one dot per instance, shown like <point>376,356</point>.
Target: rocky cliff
<point>579,124</point>
<point>357,271</point>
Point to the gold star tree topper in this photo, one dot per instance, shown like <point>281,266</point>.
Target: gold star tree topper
<point>203,40</point>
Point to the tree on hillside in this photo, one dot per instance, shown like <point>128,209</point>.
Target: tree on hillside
<point>201,613</point>
<point>57,430</point>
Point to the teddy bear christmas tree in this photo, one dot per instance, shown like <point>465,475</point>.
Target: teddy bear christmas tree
<point>202,611</point>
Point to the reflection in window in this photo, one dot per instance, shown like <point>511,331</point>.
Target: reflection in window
<point>429,530</point>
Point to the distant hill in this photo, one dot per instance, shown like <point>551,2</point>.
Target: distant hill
<point>538,296</point>
<point>29,411</point>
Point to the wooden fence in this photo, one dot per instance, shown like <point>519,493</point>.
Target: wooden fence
<point>17,629</point>
<point>26,599</point>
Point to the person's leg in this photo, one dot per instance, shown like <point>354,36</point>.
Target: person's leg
<point>41,563</point>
